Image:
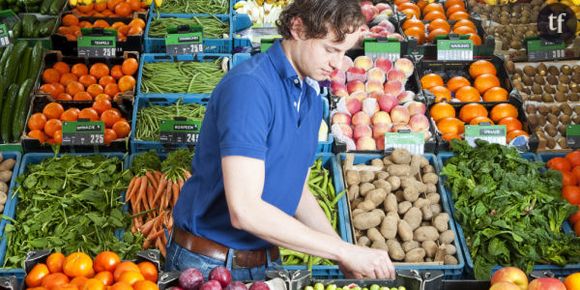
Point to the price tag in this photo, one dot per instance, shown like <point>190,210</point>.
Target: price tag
<point>179,131</point>
<point>382,47</point>
<point>83,133</point>
<point>184,39</point>
<point>539,49</point>
<point>454,49</point>
<point>414,142</point>
<point>489,133</point>
<point>573,136</point>
<point>4,36</point>
<point>97,43</point>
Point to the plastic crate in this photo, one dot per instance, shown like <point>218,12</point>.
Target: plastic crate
<point>210,45</point>
<point>449,271</point>
<point>15,172</point>
<point>35,158</point>
<point>142,102</point>
<point>160,57</point>
<point>557,270</point>
<point>153,11</point>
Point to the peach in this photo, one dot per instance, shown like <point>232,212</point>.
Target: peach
<point>384,64</point>
<point>393,88</point>
<point>379,130</point>
<point>546,284</point>
<point>346,63</point>
<point>338,76</point>
<point>341,93</point>
<point>363,62</point>
<point>370,106</point>
<point>406,96</point>
<point>356,73</point>
<point>504,286</point>
<point>366,144</point>
<point>376,74</point>
<point>415,107</point>
<point>419,122</point>
<point>387,25</point>
<point>381,117</point>
<point>360,95</point>
<point>405,65</point>
<point>362,131</point>
<point>380,143</point>
<point>361,118</point>
<point>387,102</point>
<point>355,86</point>
<point>346,130</point>
<point>400,114</point>
<point>374,86</point>
<point>511,274</point>
<point>396,75</point>
<point>340,118</point>
<point>353,105</point>
<point>337,86</point>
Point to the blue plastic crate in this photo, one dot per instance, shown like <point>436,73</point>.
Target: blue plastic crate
<point>15,172</point>
<point>210,45</point>
<point>161,57</point>
<point>35,158</point>
<point>449,271</point>
<point>153,10</point>
<point>142,102</point>
<point>557,270</point>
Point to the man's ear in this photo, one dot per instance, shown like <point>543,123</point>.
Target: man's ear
<point>297,28</point>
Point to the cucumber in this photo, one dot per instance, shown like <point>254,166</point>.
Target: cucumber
<point>5,55</point>
<point>22,102</point>
<point>12,64</point>
<point>45,6</point>
<point>7,109</point>
<point>56,6</point>
<point>2,92</point>
<point>28,22</point>
<point>17,29</point>
<point>46,27</point>
<point>25,65</point>
<point>36,60</point>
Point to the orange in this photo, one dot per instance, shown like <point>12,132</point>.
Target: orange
<point>123,9</point>
<point>411,6</point>
<point>107,80</point>
<point>101,24</point>
<point>436,32</point>
<point>559,163</point>
<point>68,287</point>
<point>575,217</point>
<point>442,110</point>
<point>474,38</point>
<point>94,284</point>
<point>450,3</point>
<point>54,280</point>
<point>101,106</point>
<point>433,7</point>
<point>78,264</point>
<point>134,30</point>
<point>52,126</point>
<point>439,24</point>
<point>459,15</point>
<point>511,123</point>
<point>501,111</point>
<point>37,122</point>
<point>95,89</point>
<point>431,80</point>
<point>124,267</point>
<point>37,134</point>
<point>35,276</point>
<point>571,194</point>
<point>464,22</point>
<point>53,110</point>
<point>454,8</point>
<point>455,83</point>
<point>116,71</point>
<point>63,30</point>
<point>87,80</point>
<point>86,8</point>
<point>58,140</point>
<point>451,126</point>
<point>70,115</point>
<point>129,276</point>
<point>50,75</point>
<point>479,120</point>
<point>145,285</point>
<point>441,93</point>
<point>79,69</point>
<point>410,13</point>
<point>122,129</point>
<point>110,117</point>
<point>117,24</point>
<point>64,97</point>
<point>495,94</point>
<point>434,15</point>
<point>413,22</point>
<point>485,82</point>
<point>480,67</point>
<point>61,67</point>
<point>576,172</point>
<point>49,89</point>
<point>130,66</point>
<point>121,286</point>
<point>74,87</point>
<point>102,97</point>
<point>82,96</point>
<point>99,70</point>
<point>472,110</point>
<point>58,88</point>
<point>515,133</point>
<point>100,6</point>
<point>79,281</point>
<point>107,260</point>
<point>574,158</point>
<point>67,78</point>
<point>464,30</point>
<point>110,136</point>
<point>568,178</point>
<point>70,20</point>
<point>450,136</point>
<point>135,5</point>
<point>126,83</point>
<point>416,32</point>
<point>467,94</point>
<point>148,269</point>
<point>572,281</point>
<point>54,261</point>
<point>105,277</point>
<point>89,114</point>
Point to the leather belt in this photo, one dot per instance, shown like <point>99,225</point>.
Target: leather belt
<point>209,248</point>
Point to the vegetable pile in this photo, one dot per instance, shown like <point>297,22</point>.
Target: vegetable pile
<point>213,27</point>
<point>320,185</point>
<point>149,118</point>
<point>71,26</point>
<point>153,192</point>
<point>397,209</point>
<point>195,6</point>
<point>182,77</point>
<point>31,27</point>
<point>6,166</point>
<point>510,211</point>
<point>46,7</point>
<point>70,203</point>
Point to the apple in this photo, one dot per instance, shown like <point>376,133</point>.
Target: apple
<point>353,105</point>
<point>374,86</point>
<point>415,107</point>
<point>384,64</point>
<point>346,130</point>
<point>340,118</point>
<point>341,93</point>
<point>236,285</point>
<point>222,275</point>
<point>504,286</point>
<point>419,122</point>
<point>546,284</point>
<point>360,95</point>
<point>511,274</point>
<point>379,130</point>
<point>211,285</point>
<point>370,106</point>
<point>400,115</point>
<point>380,143</point>
<point>362,131</point>
<point>387,102</point>
<point>355,86</point>
<point>346,63</point>
<point>378,29</point>
<point>361,118</point>
<point>406,96</point>
<point>381,117</point>
<point>405,65</point>
<point>363,62</point>
<point>191,279</point>
<point>376,74</point>
<point>366,3</point>
<point>356,74</point>
<point>396,75</point>
<point>366,144</point>
<point>259,285</point>
<point>338,76</point>
<point>337,86</point>
<point>387,25</point>
<point>393,88</point>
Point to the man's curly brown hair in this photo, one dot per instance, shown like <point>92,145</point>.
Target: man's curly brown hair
<point>318,16</point>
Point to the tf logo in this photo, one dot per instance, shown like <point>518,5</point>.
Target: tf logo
<point>557,23</point>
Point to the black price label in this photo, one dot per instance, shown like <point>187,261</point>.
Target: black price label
<point>83,133</point>
<point>102,45</point>
<point>184,40</point>
<point>544,50</point>
<point>179,131</point>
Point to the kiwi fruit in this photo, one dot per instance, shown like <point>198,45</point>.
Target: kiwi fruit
<point>565,69</point>
<point>531,109</point>
<point>538,79</point>
<point>552,80</point>
<point>529,70</point>
<point>510,66</point>
<point>562,88</point>
<point>564,79</point>
<point>547,98</point>
<point>562,130</point>
<point>543,109</point>
<point>566,109</point>
<point>577,110</point>
<point>553,70</point>
<point>574,97</point>
<point>560,97</point>
<point>518,85</point>
<point>536,98</point>
<point>530,33</point>
<point>564,119</point>
<point>551,144</point>
<point>537,89</point>
<point>576,69</point>
<point>519,71</point>
<point>549,89</point>
<point>563,143</point>
<point>516,44</point>
<point>575,89</point>
<point>528,81</point>
<point>533,120</point>
<point>554,110</point>
<point>576,78</point>
<point>542,69</point>
<point>551,130</point>
<point>541,120</point>
<point>527,91</point>
<point>552,119</point>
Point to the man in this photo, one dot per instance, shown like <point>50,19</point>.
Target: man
<point>248,192</point>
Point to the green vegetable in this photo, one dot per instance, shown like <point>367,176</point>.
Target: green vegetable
<point>181,77</point>
<point>71,203</point>
<point>25,61</point>
<point>195,6</point>
<point>45,7</point>
<point>36,60</point>
<point>13,63</point>
<point>28,24</point>
<point>149,118</point>
<point>7,112</point>
<point>17,29</point>
<point>21,109</point>
<point>213,27</point>
<point>5,55</point>
<point>148,161</point>
<point>56,7</point>
<point>176,164</point>
<point>510,211</point>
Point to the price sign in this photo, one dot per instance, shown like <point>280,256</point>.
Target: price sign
<point>489,133</point>
<point>179,131</point>
<point>382,47</point>
<point>539,49</point>
<point>4,36</point>
<point>454,49</point>
<point>83,133</point>
<point>414,142</point>
<point>97,43</point>
<point>573,136</point>
<point>184,39</point>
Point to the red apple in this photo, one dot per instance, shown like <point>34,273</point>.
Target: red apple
<point>504,286</point>
<point>346,63</point>
<point>546,284</point>
<point>381,117</point>
<point>356,74</point>
<point>387,102</point>
<point>362,131</point>
<point>259,285</point>
<point>211,285</point>
<point>236,285</point>
<point>355,86</point>
<point>360,95</point>
<point>393,88</point>
<point>379,130</point>
<point>363,62</point>
<point>415,107</point>
<point>382,6</point>
<point>340,118</point>
<point>405,65</point>
<point>396,36</point>
<point>406,96</point>
<point>384,64</point>
<point>374,86</point>
<point>337,86</point>
<point>511,274</point>
<point>346,130</point>
<point>419,122</point>
<point>353,105</point>
<point>366,144</point>
<point>338,76</point>
<point>387,25</point>
<point>361,118</point>
<point>397,75</point>
<point>376,74</point>
<point>380,143</point>
<point>400,115</point>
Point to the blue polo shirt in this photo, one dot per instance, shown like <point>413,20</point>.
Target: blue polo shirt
<point>260,109</point>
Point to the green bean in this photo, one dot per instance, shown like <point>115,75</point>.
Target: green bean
<point>213,27</point>
<point>195,6</point>
<point>181,77</point>
<point>149,118</point>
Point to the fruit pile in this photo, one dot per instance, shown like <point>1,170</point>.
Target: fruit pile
<point>377,17</point>
<point>219,278</point>
<point>441,19</point>
<point>78,271</point>
<point>451,126</point>
<point>486,85</point>
<point>374,101</point>
<point>569,167</point>
<point>513,278</point>
<point>109,8</point>
<point>71,27</point>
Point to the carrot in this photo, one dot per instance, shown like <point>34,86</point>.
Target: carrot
<point>155,235</point>
<point>150,196</point>
<point>131,189</point>
<point>160,189</point>
<point>142,190</point>
<point>146,228</point>
<point>160,247</point>
<point>176,189</point>
<point>151,178</point>
<point>167,195</point>
<point>146,244</point>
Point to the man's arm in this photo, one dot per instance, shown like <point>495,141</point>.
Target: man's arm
<point>310,213</point>
<point>244,182</point>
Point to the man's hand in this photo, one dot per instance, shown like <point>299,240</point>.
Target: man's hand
<point>360,262</point>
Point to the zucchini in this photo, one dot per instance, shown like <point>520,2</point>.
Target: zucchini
<point>13,63</point>
<point>45,6</point>
<point>5,55</point>
<point>20,112</point>
<point>36,60</point>
<point>24,65</point>
<point>56,6</point>
<point>45,28</point>
<point>7,109</point>
<point>2,92</point>
<point>17,29</point>
<point>28,22</point>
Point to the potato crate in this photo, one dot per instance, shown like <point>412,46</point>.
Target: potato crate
<point>449,271</point>
<point>469,273</point>
<point>11,185</point>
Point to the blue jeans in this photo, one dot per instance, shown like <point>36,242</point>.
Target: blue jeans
<point>180,259</point>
